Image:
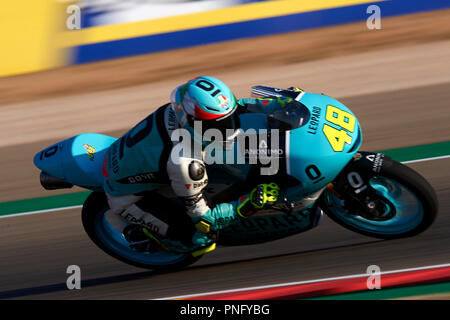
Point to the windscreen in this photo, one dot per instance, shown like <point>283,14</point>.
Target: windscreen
<point>292,115</point>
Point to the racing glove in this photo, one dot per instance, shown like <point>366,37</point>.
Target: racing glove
<point>260,198</point>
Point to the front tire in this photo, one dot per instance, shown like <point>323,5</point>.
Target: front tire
<point>102,232</point>
<point>411,200</point>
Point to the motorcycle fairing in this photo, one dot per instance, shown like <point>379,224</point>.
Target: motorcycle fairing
<point>77,160</point>
<point>310,156</point>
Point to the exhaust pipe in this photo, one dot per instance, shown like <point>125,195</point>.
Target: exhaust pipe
<point>51,183</point>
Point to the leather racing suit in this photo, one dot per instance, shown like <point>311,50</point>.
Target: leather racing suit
<point>138,164</point>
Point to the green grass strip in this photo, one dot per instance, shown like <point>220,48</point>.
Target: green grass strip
<point>419,152</point>
<point>43,203</point>
<point>391,293</point>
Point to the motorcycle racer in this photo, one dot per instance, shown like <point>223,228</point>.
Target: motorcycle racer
<point>142,161</point>
<point>311,140</point>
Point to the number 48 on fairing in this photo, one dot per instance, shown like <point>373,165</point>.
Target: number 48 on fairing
<point>338,137</point>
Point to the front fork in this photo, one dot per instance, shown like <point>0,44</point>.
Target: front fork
<point>353,187</point>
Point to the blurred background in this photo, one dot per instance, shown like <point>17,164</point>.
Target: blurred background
<point>70,67</point>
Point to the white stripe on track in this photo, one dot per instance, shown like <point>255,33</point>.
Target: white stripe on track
<point>79,206</point>
<point>303,282</point>
<point>39,211</point>
<point>426,159</point>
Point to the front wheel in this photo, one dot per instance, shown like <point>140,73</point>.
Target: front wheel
<point>102,230</point>
<point>382,198</point>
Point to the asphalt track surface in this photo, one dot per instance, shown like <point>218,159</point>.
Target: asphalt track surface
<point>36,250</point>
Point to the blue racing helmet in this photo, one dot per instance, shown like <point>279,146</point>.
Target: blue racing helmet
<point>208,100</point>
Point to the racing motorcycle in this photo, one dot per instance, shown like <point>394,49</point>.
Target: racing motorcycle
<point>366,192</point>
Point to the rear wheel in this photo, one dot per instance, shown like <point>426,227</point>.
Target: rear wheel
<point>394,202</point>
<point>100,227</point>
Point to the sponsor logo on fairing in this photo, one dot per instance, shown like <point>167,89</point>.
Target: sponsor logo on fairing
<point>147,177</point>
<point>90,151</point>
<point>315,120</point>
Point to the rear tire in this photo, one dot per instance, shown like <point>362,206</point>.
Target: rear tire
<point>400,175</point>
<point>92,215</point>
